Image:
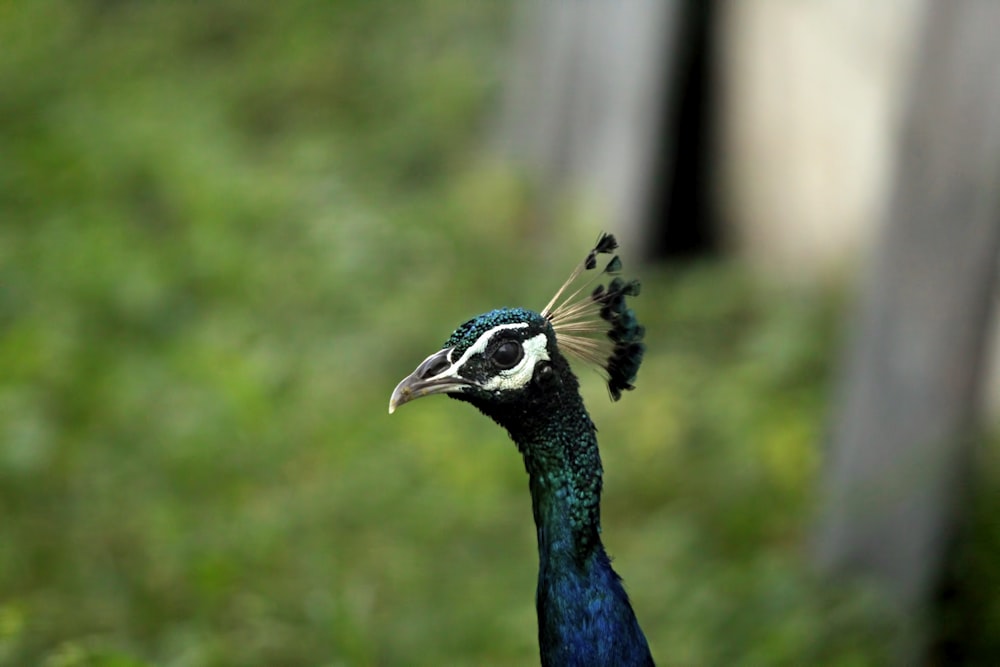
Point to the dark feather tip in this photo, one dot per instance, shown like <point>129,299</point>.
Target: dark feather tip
<point>627,334</point>
<point>623,329</point>
<point>623,366</point>
<point>606,243</point>
<point>628,321</point>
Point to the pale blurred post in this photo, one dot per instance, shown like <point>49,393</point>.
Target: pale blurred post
<point>904,423</point>
<point>586,100</point>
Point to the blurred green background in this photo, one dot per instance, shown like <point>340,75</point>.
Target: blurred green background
<point>226,231</point>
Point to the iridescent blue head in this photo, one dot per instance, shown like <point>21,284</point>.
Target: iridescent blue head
<point>512,355</point>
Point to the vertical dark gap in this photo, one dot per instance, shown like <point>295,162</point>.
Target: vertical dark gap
<point>681,219</point>
<point>964,602</point>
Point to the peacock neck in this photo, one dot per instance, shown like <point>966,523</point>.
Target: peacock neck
<point>565,479</point>
<point>584,616</point>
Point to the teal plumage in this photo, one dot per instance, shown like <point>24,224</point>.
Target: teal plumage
<point>509,363</point>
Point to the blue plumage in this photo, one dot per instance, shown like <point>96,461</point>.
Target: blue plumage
<point>584,614</point>
<point>509,363</point>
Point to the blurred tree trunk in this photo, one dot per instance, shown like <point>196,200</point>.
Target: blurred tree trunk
<point>903,427</point>
<point>586,101</point>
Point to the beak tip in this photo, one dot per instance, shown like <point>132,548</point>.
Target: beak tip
<point>400,395</point>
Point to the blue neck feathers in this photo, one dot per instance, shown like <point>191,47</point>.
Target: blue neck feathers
<point>584,615</point>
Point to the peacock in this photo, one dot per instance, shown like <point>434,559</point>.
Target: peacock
<point>509,364</point>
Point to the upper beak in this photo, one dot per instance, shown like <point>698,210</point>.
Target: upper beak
<point>433,376</point>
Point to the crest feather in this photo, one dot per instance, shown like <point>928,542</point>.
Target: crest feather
<point>599,327</point>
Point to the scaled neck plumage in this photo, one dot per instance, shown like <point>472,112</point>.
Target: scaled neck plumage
<point>565,478</point>
<point>584,615</point>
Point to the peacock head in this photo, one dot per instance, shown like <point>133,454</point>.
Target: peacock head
<point>507,359</point>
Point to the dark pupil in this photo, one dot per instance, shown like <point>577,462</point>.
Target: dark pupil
<point>508,354</point>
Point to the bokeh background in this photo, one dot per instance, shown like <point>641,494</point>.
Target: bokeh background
<point>228,229</point>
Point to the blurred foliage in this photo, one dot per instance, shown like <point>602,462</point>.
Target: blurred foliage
<point>228,229</point>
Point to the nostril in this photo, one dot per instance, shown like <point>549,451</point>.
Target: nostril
<point>433,366</point>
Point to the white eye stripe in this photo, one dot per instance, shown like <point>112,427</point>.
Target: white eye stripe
<point>477,348</point>
<point>514,378</point>
<point>484,340</point>
<point>534,349</point>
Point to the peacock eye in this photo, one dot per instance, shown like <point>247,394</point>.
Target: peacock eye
<point>507,355</point>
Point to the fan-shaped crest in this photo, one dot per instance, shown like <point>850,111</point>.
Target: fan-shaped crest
<point>597,326</point>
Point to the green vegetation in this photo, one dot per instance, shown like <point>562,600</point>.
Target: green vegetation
<point>227,230</point>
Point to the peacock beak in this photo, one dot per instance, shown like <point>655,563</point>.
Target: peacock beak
<point>435,375</point>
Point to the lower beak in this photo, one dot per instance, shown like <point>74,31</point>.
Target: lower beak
<point>433,376</point>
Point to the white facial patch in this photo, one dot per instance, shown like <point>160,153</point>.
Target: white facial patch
<point>480,345</point>
<point>520,375</point>
<point>511,378</point>
<point>476,348</point>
